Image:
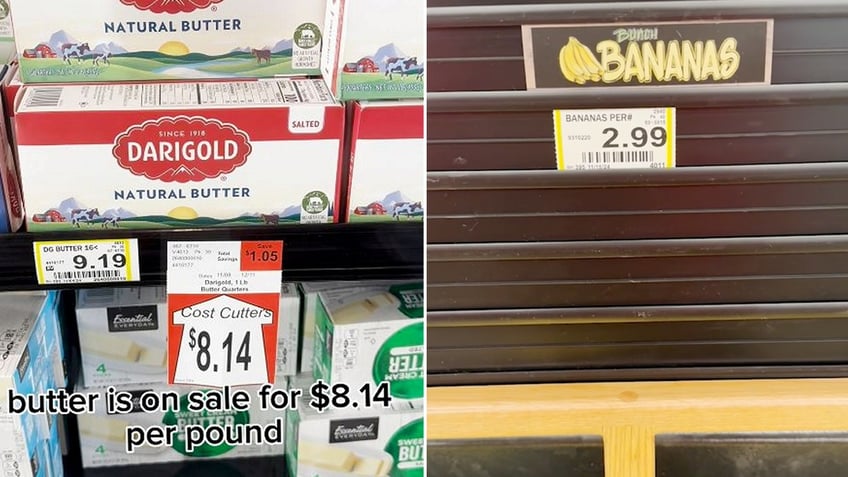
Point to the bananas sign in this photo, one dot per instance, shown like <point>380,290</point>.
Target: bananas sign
<point>648,54</point>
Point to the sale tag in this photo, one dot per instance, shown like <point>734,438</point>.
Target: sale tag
<point>223,311</point>
<point>636,138</point>
<point>86,261</point>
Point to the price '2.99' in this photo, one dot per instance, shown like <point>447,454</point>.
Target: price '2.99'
<point>640,137</point>
<point>116,260</point>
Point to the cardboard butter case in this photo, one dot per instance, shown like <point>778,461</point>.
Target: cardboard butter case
<point>388,155</point>
<point>138,40</point>
<point>33,362</point>
<point>346,443</point>
<point>367,57</point>
<point>123,335</point>
<point>161,155</point>
<point>372,335</point>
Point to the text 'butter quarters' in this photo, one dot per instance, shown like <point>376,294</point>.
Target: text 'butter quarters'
<point>156,155</point>
<point>134,40</point>
<point>648,54</point>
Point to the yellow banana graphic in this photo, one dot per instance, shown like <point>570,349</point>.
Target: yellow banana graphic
<point>567,66</point>
<point>590,63</point>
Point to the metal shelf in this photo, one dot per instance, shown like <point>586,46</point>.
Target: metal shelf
<point>311,253</point>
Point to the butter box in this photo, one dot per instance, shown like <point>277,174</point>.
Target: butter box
<point>124,333</point>
<point>374,49</point>
<point>385,185</point>
<point>157,155</point>
<point>366,442</point>
<point>372,335</point>
<point>137,40</point>
<point>103,435</point>
<point>32,362</point>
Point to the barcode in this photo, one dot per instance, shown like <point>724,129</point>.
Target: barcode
<point>87,274</point>
<point>609,157</point>
<point>99,295</point>
<point>45,98</point>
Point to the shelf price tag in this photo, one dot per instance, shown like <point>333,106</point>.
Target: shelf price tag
<point>599,139</point>
<point>86,261</point>
<point>223,311</point>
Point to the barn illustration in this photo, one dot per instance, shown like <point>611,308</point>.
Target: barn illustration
<point>374,208</point>
<point>51,215</point>
<point>40,51</point>
<point>364,65</point>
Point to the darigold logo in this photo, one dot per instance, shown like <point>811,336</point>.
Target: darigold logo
<point>638,55</point>
<point>171,6</point>
<point>182,149</point>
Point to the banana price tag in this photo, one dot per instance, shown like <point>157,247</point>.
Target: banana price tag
<point>599,139</point>
<point>223,312</point>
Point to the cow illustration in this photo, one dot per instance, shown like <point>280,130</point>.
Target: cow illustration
<point>261,55</point>
<point>74,50</point>
<point>408,209</point>
<point>404,67</point>
<point>270,219</point>
<point>103,58</point>
<point>111,221</point>
<point>83,215</point>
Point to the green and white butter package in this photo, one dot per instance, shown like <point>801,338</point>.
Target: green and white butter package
<point>367,442</point>
<point>102,435</point>
<point>372,335</point>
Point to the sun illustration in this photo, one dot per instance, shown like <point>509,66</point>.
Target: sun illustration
<point>174,48</point>
<point>183,213</point>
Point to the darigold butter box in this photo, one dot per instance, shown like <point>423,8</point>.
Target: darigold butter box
<point>161,155</point>
<point>374,49</point>
<point>385,185</point>
<point>133,40</point>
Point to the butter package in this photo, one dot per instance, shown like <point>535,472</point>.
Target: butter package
<point>157,155</point>
<point>137,40</point>
<point>354,443</point>
<point>102,436</point>
<point>7,33</point>
<point>310,291</point>
<point>33,362</point>
<point>384,185</point>
<point>124,332</point>
<point>123,335</point>
<point>372,335</point>
<point>362,59</point>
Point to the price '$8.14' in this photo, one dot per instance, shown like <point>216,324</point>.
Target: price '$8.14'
<point>201,342</point>
<point>343,396</point>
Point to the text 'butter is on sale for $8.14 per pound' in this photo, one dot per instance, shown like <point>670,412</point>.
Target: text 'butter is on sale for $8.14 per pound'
<point>156,155</point>
<point>134,40</point>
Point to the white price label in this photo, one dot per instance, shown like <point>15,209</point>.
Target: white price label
<point>597,139</point>
<point>223,308</point>
<point>86,261</point>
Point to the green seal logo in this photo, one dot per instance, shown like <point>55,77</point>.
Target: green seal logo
<point>407,448</point>
<point>307,36</point>
<point>315,202</point>
<point>183,417</point>
<point>400,362</point>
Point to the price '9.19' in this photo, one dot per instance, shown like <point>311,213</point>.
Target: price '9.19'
<point>116,260</point>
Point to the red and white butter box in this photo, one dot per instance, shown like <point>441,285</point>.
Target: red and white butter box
<point>161,155</point>
<point>388,161</point>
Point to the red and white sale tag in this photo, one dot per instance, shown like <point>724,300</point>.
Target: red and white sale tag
<point>223,311</point>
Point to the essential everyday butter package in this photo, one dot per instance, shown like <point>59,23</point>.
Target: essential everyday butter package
<point>384,185</point>
<point>136,40</point>
<point>365,442</point>
<point>102,435</point>
<point>124,332</point>
<point>162,155</point>
<point>33,362</point>
<point>123,335</point>
<point>363,58</point>
<point>372,335</point>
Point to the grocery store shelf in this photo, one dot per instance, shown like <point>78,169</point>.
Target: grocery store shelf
<point>312,252</point>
